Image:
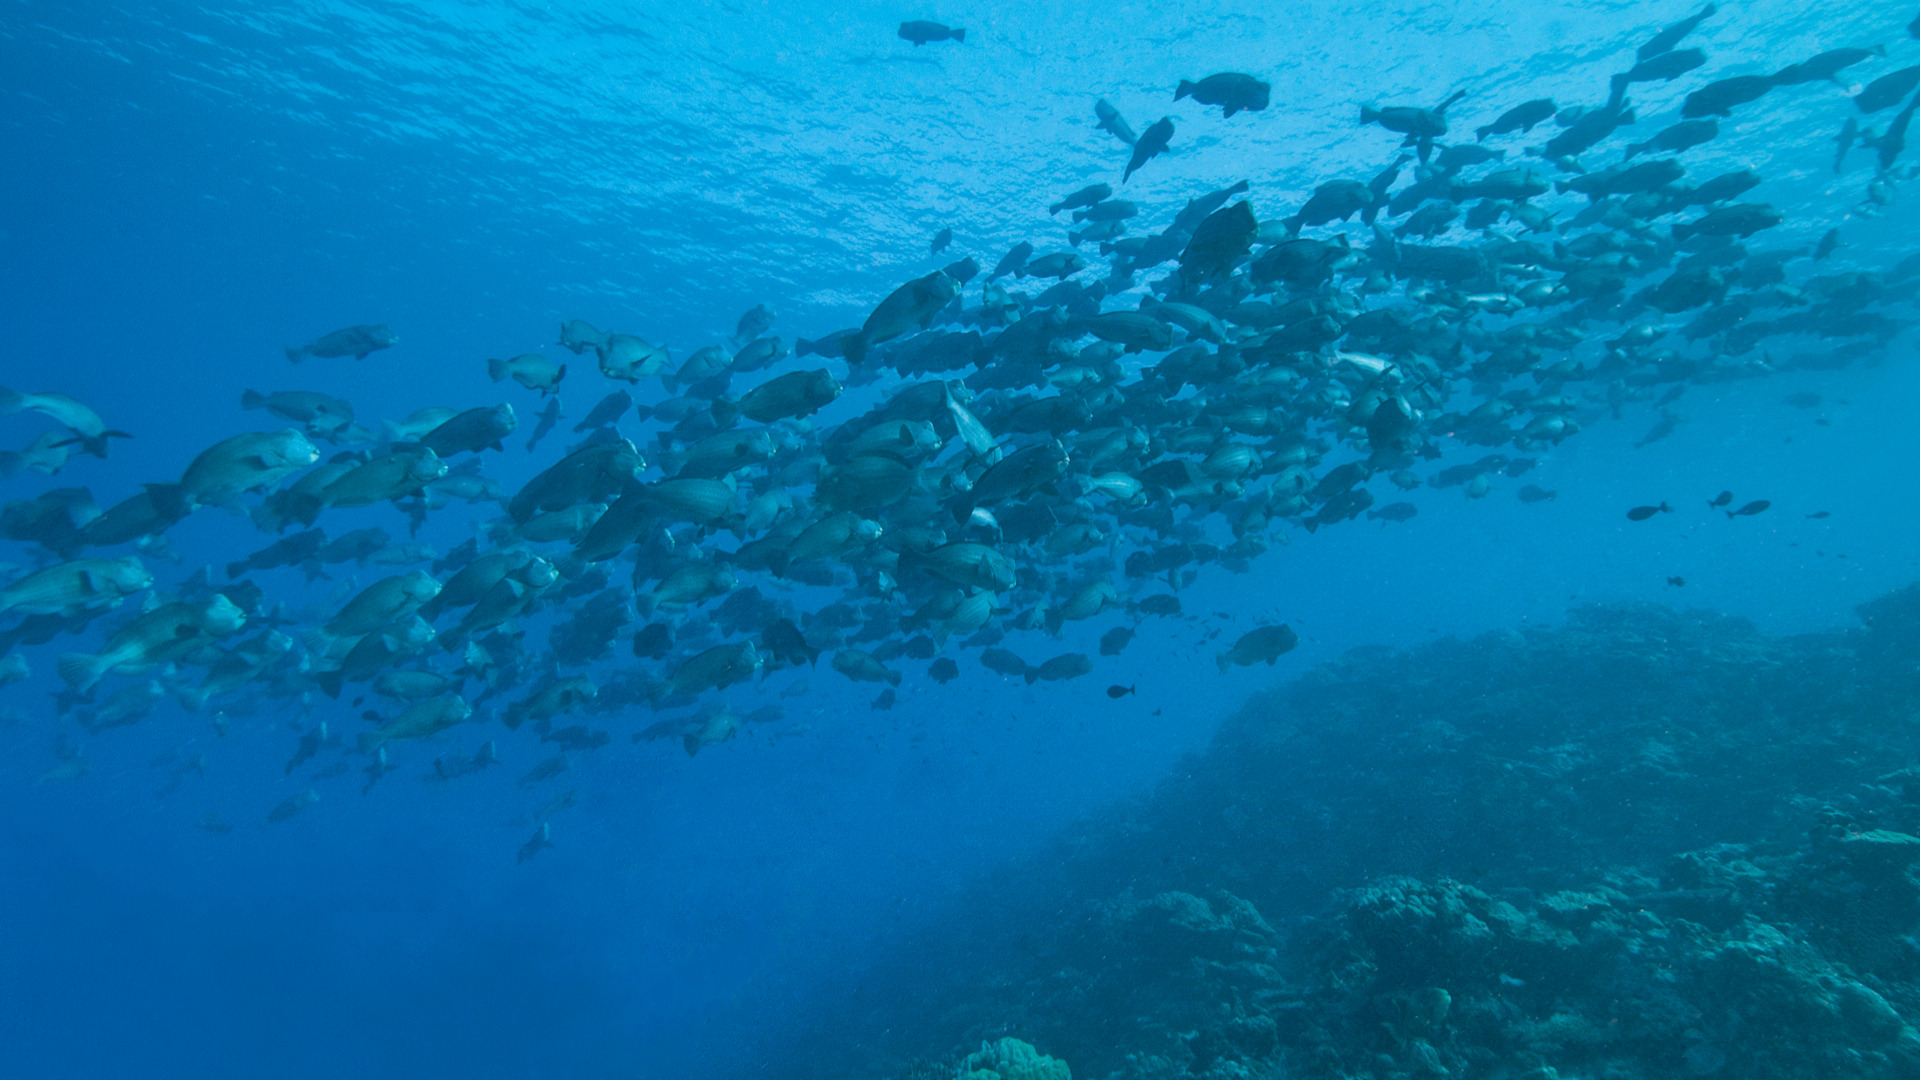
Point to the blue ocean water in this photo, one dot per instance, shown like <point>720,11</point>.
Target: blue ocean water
<point>196,187</point>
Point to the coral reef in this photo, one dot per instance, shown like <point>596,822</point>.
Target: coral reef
<point>1645,843</point>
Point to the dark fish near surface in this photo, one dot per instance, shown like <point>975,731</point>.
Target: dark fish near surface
<point>1758,506</point>
<point>1521,118</point>
<point>354,341</point>
<point>1118,692</point>
<point>1400,511</point>
<point>1720,500</point>
<point>1668,38</point>
<point>1113,123</point>
<point>920,31</point>
<point>1827,65</point>
<point>1886,91</point>
<point>1151,143</point>
<point>1533,493</point>
<point>1642,513</point>
<point>1086,196</point>
<point>1230,90</point>
<point>1721,97</point>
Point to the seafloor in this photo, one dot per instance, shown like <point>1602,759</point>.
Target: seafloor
<point>1645,843</point>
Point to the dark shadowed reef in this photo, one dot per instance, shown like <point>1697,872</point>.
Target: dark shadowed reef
<point>1646,842</point>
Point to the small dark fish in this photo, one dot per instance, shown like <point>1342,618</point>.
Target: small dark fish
<point>1230,90</point>
<point>354,341</point>
<point>1115,640</point>
<point>542,840</point>
<point>1153,142</point>
<point>1113,123</point>
<point>1117,692</point>
<point>548,418</point>
<point>1666,39</point>
<point>1534,493</point>
<point>940,241</point>
<point>920,31</point>
<point>1757,506</point>
<point>1399,511</point>
<point>943,671</point>
<point>1721,500</point>
<point>1163,604</point>
<point>1676,582</point>
<point>1642,513</point>
<point>1818,514</point>
<point>1521,117</point>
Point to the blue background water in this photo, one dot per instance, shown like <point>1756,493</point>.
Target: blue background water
<point>193,186</point>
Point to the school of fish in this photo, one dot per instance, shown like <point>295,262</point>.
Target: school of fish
<point>994,452</point>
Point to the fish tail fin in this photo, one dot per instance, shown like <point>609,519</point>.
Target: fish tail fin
<point>1368,114</point>
<point>329,683</point>
<point>1293,224</point>
<point>854,348</point>
<point>893,678</point>
<point>252,399</point>
<point>1185,88</point>
<point>370,741</point>
<point>1032,675</point>
<point>1681,230</point>
<point>295,354</point>
<point>496,369</point>
<point>235,569</point>
<point>1480,133</point>
<point>79,670</point>
<point>960,34</point>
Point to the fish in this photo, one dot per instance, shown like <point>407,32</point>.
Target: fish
<point>288,809</point>
<point>418,720</point>
<point>358,342</point>
<point>541,840</point>
<point>1091,195</point>
<point>1116,692</point>
<point>1720,500</point>
<point>941,240</point>
<point>1151,143</point>
<point>1642,513</point>
<point>1230,90</point>
<point>1886,91</point>
<point>1666,39</point>
<point>919,31</point>
<point>1535,494</point>
<point>1111,122</point>
<point>90,433</point>
<point>1826,66</point>
<point>531,370</point>
<point>1758,506</point>
<point>1521,118</point>
<point>1263,644</point>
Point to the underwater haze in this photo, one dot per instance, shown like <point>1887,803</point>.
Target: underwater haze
<point>1153,540</point>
